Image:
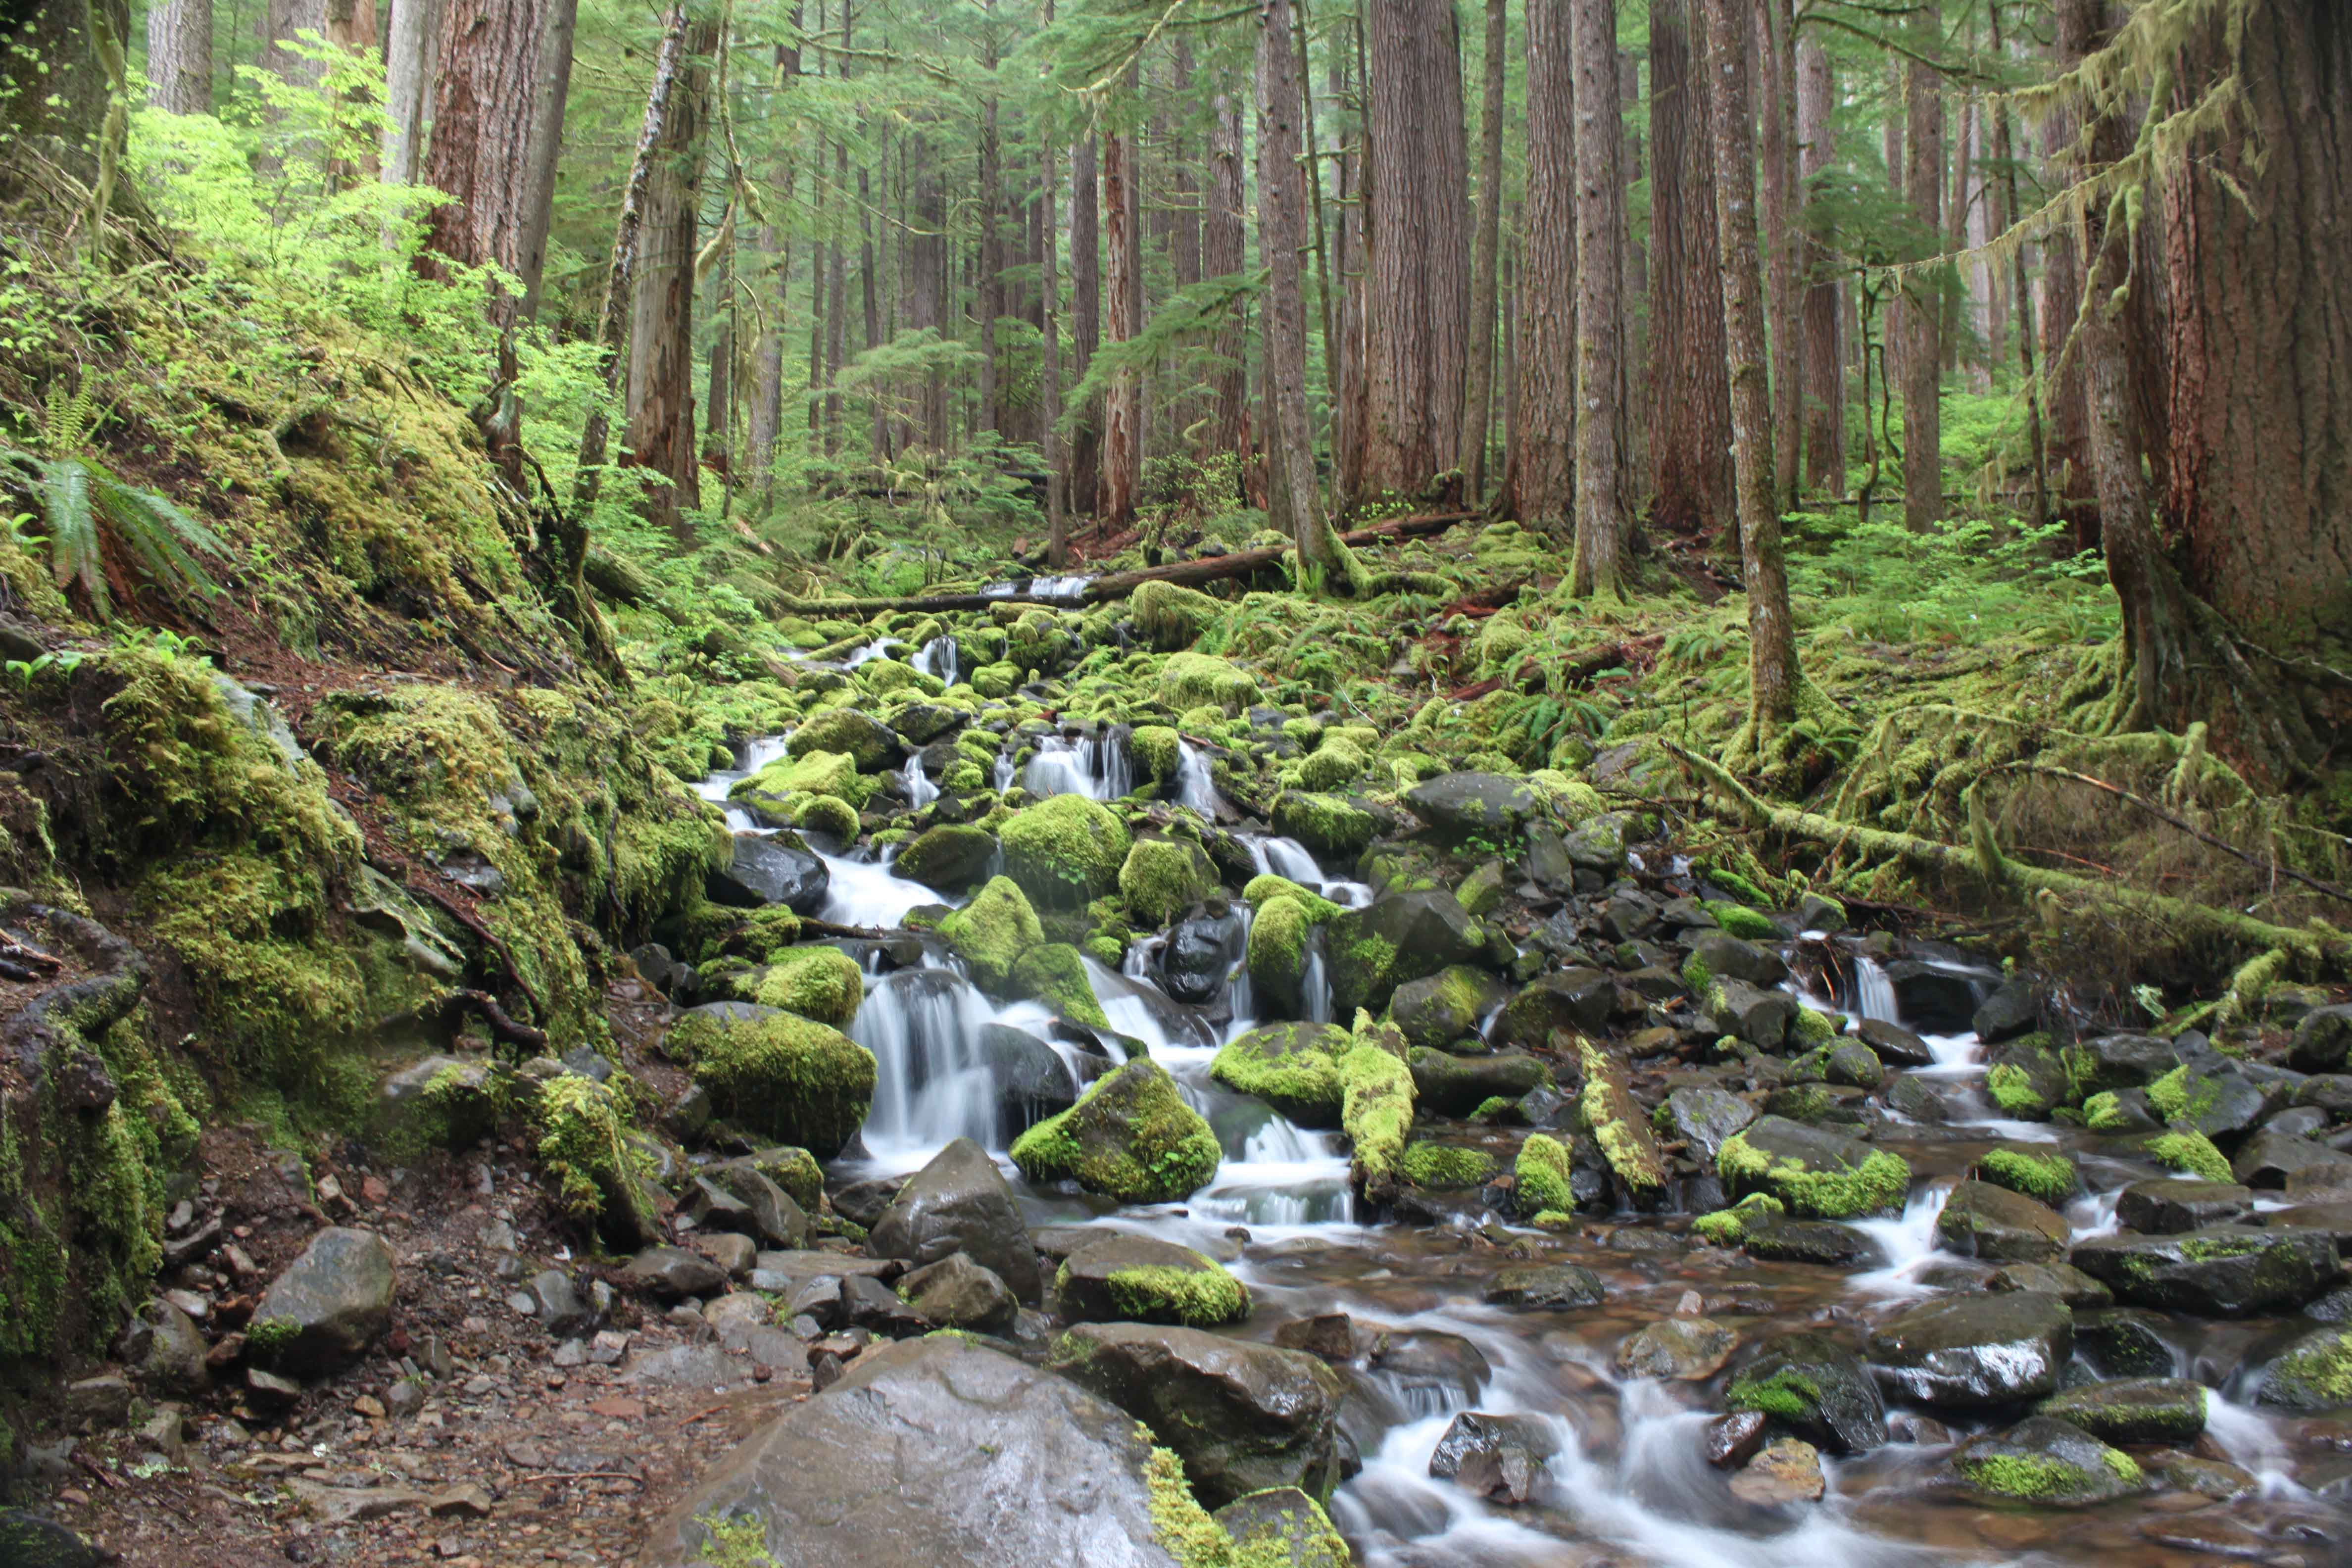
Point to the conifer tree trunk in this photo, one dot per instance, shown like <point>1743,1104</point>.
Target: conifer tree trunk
<point>180,56</point>
<point>1057,510</point>
<point>1086,323</point>
<point>1772,647</point>
<point>1347,392</point>
<point>1690,403</point>
<point>1921,360</point>
<point>1823,366</point>
<point>1602,523</point>
<point>282,22</point>
<point>774,251</point>
<point>1544,477</point>
<point>1224,249</point>
<point>1479,417</point>
<point>1282,239</point>
<point>1778,111</point>
<point>482,119</point>
<point>1418,304</point>
<point>992,259</point>
<point>411,55</point>
<point>1122,441</point>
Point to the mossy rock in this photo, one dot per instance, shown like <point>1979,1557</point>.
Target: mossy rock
<point>772,789</point>
<point>999,680</point>
<point>2043,1174</point>
<point>1544,1171</point>
<point>2139,1410</point>
<point>1172,618</point>
<point>1162,877</point>
<point>1277,952</point>
<point>1815,1172</point>
<point>1294,1067</point>
<point>2048,1463</point>
<point>991,933</point>
<point>1130,1137</point>
<point>1189,680</point>
<point>864,738</point>
<point>1439,1165</point>
<point>1157,750</point>
<point>594,1170</point>
<point>782,1076</point>
<point>1377,1097</point>
<point>1053,972</point>
<point>820,983</point>
<point>2314,1373</point>
<point>1064,851</point>
<point>1125,1277</point>
<point>950,857</point>
<point>1326,824</point>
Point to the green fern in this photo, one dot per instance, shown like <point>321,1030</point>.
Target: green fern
<point>75,491</point>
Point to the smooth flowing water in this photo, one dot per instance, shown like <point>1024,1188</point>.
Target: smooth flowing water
<point>1095,767</point>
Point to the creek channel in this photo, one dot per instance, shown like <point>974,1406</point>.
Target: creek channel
<point>1630,1482</point>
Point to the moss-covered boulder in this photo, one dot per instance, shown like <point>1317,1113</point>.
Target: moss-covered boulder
<point>2137,1410</point>
<point>1816,1387</point>
<point>1189,680</point>
<point>950,857</point>
<point>1440,1009</point>
<point>595,1167</point>
<point>770,791</point>
<point>2313,1374</point>
<point>780,1075</point>
<point>1326,824</point>
<point>1813,1170</point>
<point>1054,973</point>
<point>1125,1277</point>
<point>1064,851</point>
<point>1544,1173</point>
<point>1162,877</point>
<point>1131,1137</point>
<point>998,680</point>
<point>1486,807</point>
<point>820,983</point>
<point>2041,1174</point>
<point>2048,1463</point>
<point>1294,1067</point>
<point>1284,1528</point>
<point>1376,1112</point>
<point>1429,1163</point>
<point>1172,618</point>
<point>991,933</point>
<point>861,737</point>
<point>1619,1126</point>
<point>2221,1271</point>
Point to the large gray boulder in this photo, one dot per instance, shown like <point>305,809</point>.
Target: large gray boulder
<point>1572,1000</point>
<point>1242,1416</point>
<point>1960,1352</point>
<point>961,1203</point>
<point>1442,1008</point>
<point>2221,1271</point>
<point>778,869</point>
<point>1818,1389</point>
<point>329,1306</point>
<point>1460,806</point>
<point>1980,1220</point>
<point>934,1451</point>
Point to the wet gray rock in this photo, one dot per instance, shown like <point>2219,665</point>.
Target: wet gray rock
<point>1980,1220</point>
<point>1500,1457</point>
<point>164,1343</point>
<point>1960,1351</point>
<point>1852,1065</point>
<point>736,1196</point>
<point>1032,1081</point>
<point>1573,999</point>
<point>335,1301</point>
<point>862,1203</point>
<point>1728,957</point>
<point>1686,1350</point>
<point>558,1305</point>
<point>779,870</point>
<point>1085,1290</point>
<point>1457,1085</point>
<point>1459,806</point>
<point>2272,1159</point>
<point>1776,1238</point>
<point>2221,1271</point>
<point>1704,1116</point>
<point>1932,999</point>
<point>27,1542</point>
<point>1242,1416</point>
<point>2323,1040</point>
<point>1428,932</point>
<point>2169,1410</point>
<point>961,1203</point>
<point>2045,1462</point>
<point>2013,1008</point>
<point>672,1273</point>
<point>1816,1387</point>
<point>1440,1009</point>
<point>1758,1015</point>
<point>2314,1373</point>
<point>2063,1281</point>
<point>957,1293</point>
<point>2125,1341</point>
<point>1599,844</point>
<point>873,1306</point>
<point>2212,1097</point>
<point>1550,1286</point>
<point>935,1451</point>
<point>2121,1062</point>
<point>1895,1045</point>
<point>1785,1471</point>
<point>2170,1207</point>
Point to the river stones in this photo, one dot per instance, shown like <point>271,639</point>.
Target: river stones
<point>2212,1096</point>
<point>1293,1067</point>
<point>1552,1287</point>
<point>1776,1238</point>
<point>2172,1207</point>
<point>1131,1137</point>
<point>1931,998</point>
<point>1895,1045</point>
<point>328,1306</point>
<point>1032,1081</point>
<point>1723,956</point>
<point>1575,999</point>
<point>1761,1016</point>
<point>1686,1350</point>
<point>935,1450</point>
<point>738,1197</point>
<point>672,1273</point>
<point>2013,1008</point>
<point>1457,1085</point>
<point>2137,1410</point>
<point>2323,1040</point>
<point>1816,1387</point>
<point>1980,1220</point>
<point>1783,1472</point>
<point>2046,1462</point>
<point>1242,1416</point>
<point>1460,807</point>
<point>2063,1281</point>
<point>2120,1062</point>
<point>1420,934</point>
<point>2272,1159</point>
<point>2221,1271</point>
<point>1958,1352</point>
<point>1813,1170</point>
<point>1141,1279</point>
<point>1440,1009</point>
<point>779,870</point>
<point>2313,1374</point>
<point>1282,1527</point>
<point>1704,1117</point>
<point>950,858</point>
<point>1500,1457</point>
<point>2126,1342</point>
<point>960,1202</point>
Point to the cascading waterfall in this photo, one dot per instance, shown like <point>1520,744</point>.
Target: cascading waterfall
<point>931,1078</point>
<point>1873,994</point>
<point>1095,767</point>
<point>920,790</point>
<point>937,659</point>
<point>1194,787</point>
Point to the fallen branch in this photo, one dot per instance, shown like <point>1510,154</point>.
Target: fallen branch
<point>2320,945</point>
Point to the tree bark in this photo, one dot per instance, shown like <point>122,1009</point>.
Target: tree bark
<point>1086,323</point>
<point>1122,443</point>
<point>992,259</point>
<point>1543,482</point>
<point>180,56</point>
<point>482,117</point>
<point>1602,522</point>
<point>1823,361</point>
<point>1058,511</point>
<point>410,56</point>
<point>774,250</point>
<point>660,403</point>
<point>1225,253</point>
<point>1418,304</point>
<point>551,95</point>
<point>1772,648</point>
<point>1690,418</point>
<point>1784,236</point>
<point>1479,417</point>
<point>1922,357</point>
<point>1282,239</point>
<point>1347,392</point>
<point>926,252</point>
<point>283,22</point>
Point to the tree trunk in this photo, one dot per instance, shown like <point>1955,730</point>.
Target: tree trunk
<point>482,116</point>
<point>1057,514</point>
<point>1778,111</point>
<point>180,56</point>
<point>410,56</point>
<point>1122,444</point>
<point>1690,416</point>
<point>283,21</point>
<point>1478,418</point>
<point>1347,395</point>
<point>1772,648</point>
<point>1086,323</point>
<point>1419,301</point>
<point>1225,253</point>
<point>1602,523</point>
<point>992,259</point>
<point>925,251</point>
<point>1922,357</point>
<point>774,250</point>
<point>1282,239</point>
<point>550,94</point>
<point>1543,481</point>
<point>1823,365</point>
<point>660,432</point>
<point>2005,151</point>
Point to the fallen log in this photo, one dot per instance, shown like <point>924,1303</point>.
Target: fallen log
<point>1119,585</point>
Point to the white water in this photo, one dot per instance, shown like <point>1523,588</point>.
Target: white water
<point>1095,766</point>
<point>1195,788</point>
<point>932,1085</point>
<point>1908,1244</point>
<point>920,790</point>
<point>937,659</point>
<point>865,893</point>
<point>1289,859</point>
<point>1038,587</point>
<point>2254,1443</point>
<point>871,651</point>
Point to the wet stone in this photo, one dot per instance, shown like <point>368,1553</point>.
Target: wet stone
<point>1500,1457</point>
<point>2136,1410</point>
<point>2063,1281</point>
<point>1787,1471</point>
<point>1816,1387</point>
<point>1686,1350</point>
<point>2221,1271</point>
<point>1550,1286</point>
<point>2172,1207</point>
<point>1734,1439</point>
<point>1980,1220</point>
<point>2048,1463</point>
<point>1967,1350</point>
<point>1895,1045</point>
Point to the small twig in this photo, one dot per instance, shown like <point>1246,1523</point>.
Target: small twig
<point>583,1476</point>
<point>100,1471</point>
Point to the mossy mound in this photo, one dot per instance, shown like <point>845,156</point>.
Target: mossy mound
<point>1543,1170</point>
<point>595,1172</point>
<point>1162,877</point>
<point>991,933</point>
<point>1064,850</point>
<point>865,740</point>
<point>773,789</point>
<point>1429,1164</point>
<point>1172,618</point>
<point>1053,973</point>
<point>1326,823</point>
<point>1813,1170</point>
<point>1376,1112</point>
<point>781,1077</point>
<point>1189,680</point>
<point>2046,1176</point>
<point>1294,1067</point>
<point>820,983</point>
<point>1131,1137</point>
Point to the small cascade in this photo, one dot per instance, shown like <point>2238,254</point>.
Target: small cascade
<point>1908,1244</point>
<point>1095,767</point>
<point>931,1078</point>
<point>937,659</point>
<point>1038,587</point>
<point>1289,858</point>
<point>1315,984</point>
<point>1873,994</point>
<point>920,790</point>
<point>863,892</point>
<point>1001,777</point>
<point>1195,788</point>
<point>2254,1443</point>
<point>871,651</point>
<point>757,754</point>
